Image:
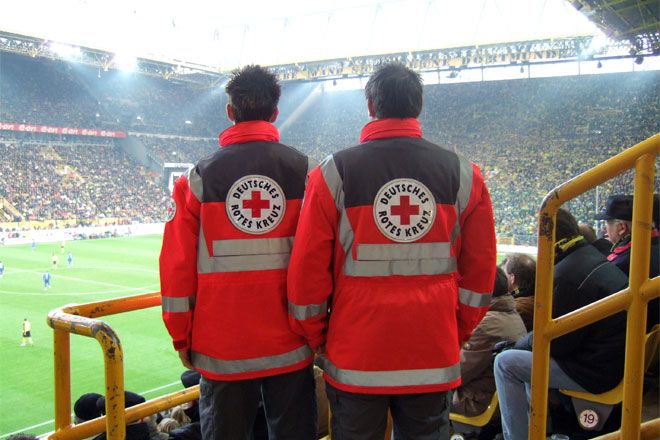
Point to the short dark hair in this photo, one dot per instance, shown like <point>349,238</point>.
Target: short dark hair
<point>253,93</point>
<point>523,267</point>
<point>501,286</point>
<point>567,226</point>
<point>395,92</point>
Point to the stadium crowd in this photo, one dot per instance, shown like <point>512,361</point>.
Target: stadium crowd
<point>77,181</point>
<point>528,136</point>
<point>176,149</point>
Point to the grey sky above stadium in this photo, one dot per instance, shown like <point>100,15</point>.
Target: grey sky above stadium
<point>224,35</point>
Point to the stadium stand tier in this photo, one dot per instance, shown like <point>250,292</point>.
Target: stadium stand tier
<point>527,135</point>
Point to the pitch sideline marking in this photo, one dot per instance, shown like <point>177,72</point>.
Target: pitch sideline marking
<point>83,280</point>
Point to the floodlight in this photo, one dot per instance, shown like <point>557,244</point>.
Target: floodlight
<point>65,51</point>
<point>125,62</point>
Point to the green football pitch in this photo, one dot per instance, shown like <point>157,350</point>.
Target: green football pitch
<point>102,269</point>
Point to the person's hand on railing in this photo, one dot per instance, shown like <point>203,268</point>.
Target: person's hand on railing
<point>184,355</point>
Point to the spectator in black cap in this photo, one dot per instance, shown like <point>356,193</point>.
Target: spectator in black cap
<point>85,408</point>
<point>191,431</point>
<point>190,378</point>
<point>618,220</point>
<point>618,224</point>
<point>138,430</point>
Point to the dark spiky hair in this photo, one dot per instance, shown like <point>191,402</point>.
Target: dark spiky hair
<point>253,94</point>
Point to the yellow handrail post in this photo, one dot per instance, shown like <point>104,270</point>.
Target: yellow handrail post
<point>636,325</point>
<point>542,318</point>
<point>63,323</point>
<point>115,422</point>
<point>61,350</point>
<point>77,319</point>
<point>642,157</point>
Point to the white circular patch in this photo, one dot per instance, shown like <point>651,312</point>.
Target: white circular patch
<point>255,204</point>
<point>171,210</point>
<point>588,418</point>
<point>404,210</point>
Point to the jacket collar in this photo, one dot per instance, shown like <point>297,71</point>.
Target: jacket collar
<point>249,131</point>
<point>624,245</point>
<point>564,248</point>
<point>389,128</point>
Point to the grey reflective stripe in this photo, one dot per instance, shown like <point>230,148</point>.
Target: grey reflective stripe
<point>237,263</point>
<point>465,184</point>
<point>177,304</point>
<point>435,266</point>
<point>242,263</point>
<point>195,183</point>
<point>395,378</point>
<point>254,246</point>
<point>309,311</point>
<point>333,180</point>
<point>463,195</point>
<point>311,164</point>
<point>220,366</point>
<point>473,299</point>
<point>403,251</point>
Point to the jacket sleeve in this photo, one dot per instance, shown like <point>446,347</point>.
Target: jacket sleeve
<point>310,276</point>
<point>477,257</point>
<point>178,263</point>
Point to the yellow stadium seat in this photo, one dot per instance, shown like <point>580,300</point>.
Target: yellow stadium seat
<point>472,424</point>
<point>593,410</point>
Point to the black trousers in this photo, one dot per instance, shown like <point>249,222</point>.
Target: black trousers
<point>228,409</point>
<point>356,416</point>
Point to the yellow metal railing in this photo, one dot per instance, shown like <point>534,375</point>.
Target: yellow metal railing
<point>634,299</point>
<point>79,319</point>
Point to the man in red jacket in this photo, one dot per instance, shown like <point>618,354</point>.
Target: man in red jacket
<point>223,267</point>
<point>392,268</point>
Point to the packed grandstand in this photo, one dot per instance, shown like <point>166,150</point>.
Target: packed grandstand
<point>84,143</point>
<point>527,135</point>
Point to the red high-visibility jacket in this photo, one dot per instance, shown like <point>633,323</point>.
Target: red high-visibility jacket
<point>225,254</point>
<point>394,262</point>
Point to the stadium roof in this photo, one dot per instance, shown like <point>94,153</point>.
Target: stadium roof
<point>224,35</point>
<point>637,21</point>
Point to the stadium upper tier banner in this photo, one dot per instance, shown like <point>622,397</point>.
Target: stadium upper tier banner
<point>28,128</point>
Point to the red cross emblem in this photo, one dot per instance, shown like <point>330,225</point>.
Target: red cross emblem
<point>256,204</point>
<point>405,210</point>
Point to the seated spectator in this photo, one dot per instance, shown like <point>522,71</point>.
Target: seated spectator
<point>190,378</point>
<point>618,224</point>
<point>602,244</point>
<point>588,359</point>
<point>520,270</point>
<point>138,430</point>
<point>501,323</point>
<point>85,408</point>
